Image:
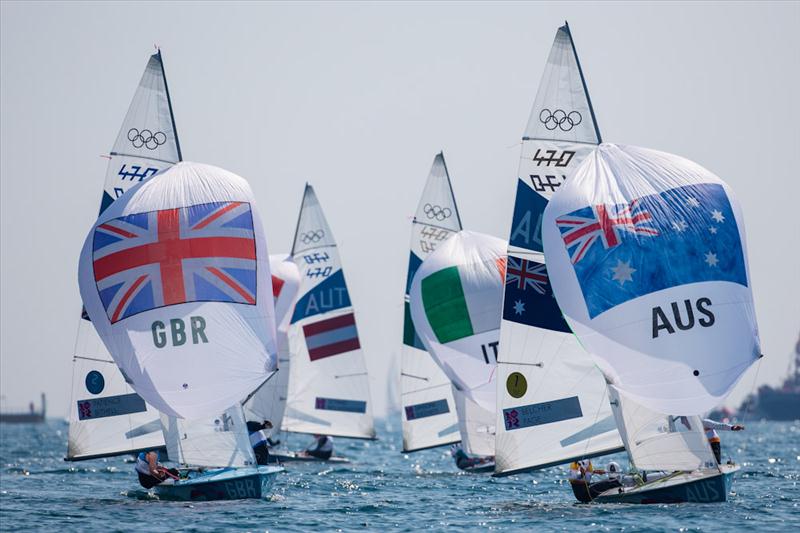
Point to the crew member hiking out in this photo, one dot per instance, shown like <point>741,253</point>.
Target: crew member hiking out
<point>259,440</point>
<point>464,461</point>
<point>321,448</point>
<point>711,427</point>
<point>150,472</point>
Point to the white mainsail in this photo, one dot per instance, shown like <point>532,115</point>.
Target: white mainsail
<point>328,382</point>
<point>656,441</point>
<point>651,273</point>
<point>211,441</point>
<point>552,401</point>
<point>269,402</point>
<point>106,417</point>
<point>428,415</point>
<point>175,278</point>
<point>455,301</point>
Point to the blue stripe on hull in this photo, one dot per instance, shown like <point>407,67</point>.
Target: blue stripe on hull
<point>707,490</point>
<point>226,484</point>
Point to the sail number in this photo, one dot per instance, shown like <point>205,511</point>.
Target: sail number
<point>548,157</point>
<point>177,332</point>
<point>487,348</point>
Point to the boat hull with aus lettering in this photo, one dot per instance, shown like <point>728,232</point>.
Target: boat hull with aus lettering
<point>221,484</point>
<point>689,487</point>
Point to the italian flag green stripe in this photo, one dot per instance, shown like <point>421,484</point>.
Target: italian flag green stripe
<point>445,305</point>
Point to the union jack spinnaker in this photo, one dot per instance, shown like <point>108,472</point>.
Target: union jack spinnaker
<point>175,278</point>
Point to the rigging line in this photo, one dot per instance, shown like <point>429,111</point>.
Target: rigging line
<point>596,416</point>
<point>752,388</point>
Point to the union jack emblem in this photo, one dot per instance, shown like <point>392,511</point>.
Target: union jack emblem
<point>582,228</point>
<point>201,253</point>
<point>526,274</point>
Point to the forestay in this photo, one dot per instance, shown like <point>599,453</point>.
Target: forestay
<point>651,274</point>
<point>212,441</point>
<point>657,441</point>
<point>552,401</point>
<point>328,383</point>
<point>269,402</point>
<point>455,301</point>
<point>106,417</point>
<point>429,413</point>
<point>175,279</point>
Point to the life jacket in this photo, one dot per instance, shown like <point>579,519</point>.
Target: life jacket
<point>712,436</point>
<point>142,466</point>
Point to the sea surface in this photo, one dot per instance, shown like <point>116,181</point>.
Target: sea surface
<point>383,490</point>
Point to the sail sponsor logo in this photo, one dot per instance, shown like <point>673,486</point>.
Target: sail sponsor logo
<point>624,251</point>
<point>200,253</point>
<point>125,404</point>
<point>427,409</point>
<point>177,330</point>
<point>538,414</point>
<point>346,406</point>
<point>330,337</point>
<point>705,318</point>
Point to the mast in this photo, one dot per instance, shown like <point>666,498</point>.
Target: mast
<point>169,103</point>
<point>583,82</point>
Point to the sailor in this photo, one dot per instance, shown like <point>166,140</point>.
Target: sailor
<point>150,472</point>
<point>321,448</point>
<point>259,440</point>
<point>711,427</point>
<point>584,470</point>
<point>464,461</point>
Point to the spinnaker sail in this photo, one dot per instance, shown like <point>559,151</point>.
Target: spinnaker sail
<point>428,416</point>
<point>552,402</point>
<point>651,273</point>
<point>175,278</point>
<point>328,381</point>
<point>106,417</point>
<point>269,402</point>
<point>455,300</point>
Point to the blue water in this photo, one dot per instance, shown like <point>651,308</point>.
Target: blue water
<point>383,490</point>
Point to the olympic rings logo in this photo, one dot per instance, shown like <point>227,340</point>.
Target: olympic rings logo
<point>146,138</point>
<point>312,236</point>
<point>438,212</point>
<point>560,119</point>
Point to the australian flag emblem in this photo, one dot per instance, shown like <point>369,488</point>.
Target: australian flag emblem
<point>204,252</point>
<point>680,236</point>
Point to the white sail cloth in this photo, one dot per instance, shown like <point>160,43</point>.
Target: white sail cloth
<point>648,262</point>
<point>175,279</point>
<point>211,441</point>
<point>429,413</point>
<point>328,382</point>
<point>656,441</point>
<point>106,417</point>
<point>269,402</point>
<point>552,403</point>
<point>475,425</point>
<point>455,299</point>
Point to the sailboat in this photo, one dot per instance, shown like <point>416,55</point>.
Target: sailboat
<point>552,401</point>
<point>106,416</point>
<point>329,391</point>
<point>455,301</point>
<point>175,278</point>
<point>428,416</point>
<point>649,266</point>
<point>269,402</point>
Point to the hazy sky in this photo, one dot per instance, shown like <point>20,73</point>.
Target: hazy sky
<point>357,98</point>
